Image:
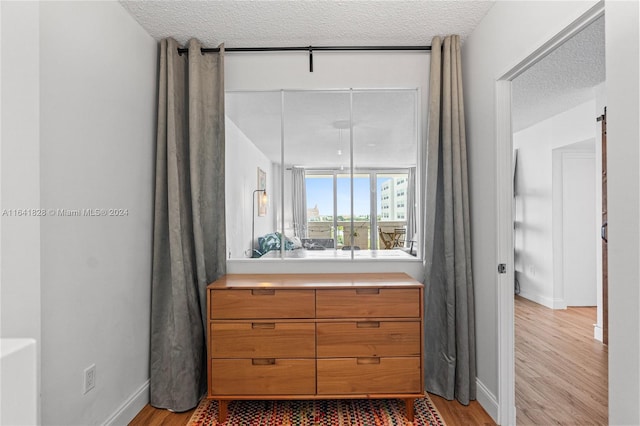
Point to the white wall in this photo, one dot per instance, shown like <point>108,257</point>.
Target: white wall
<point>78,131</point>
<point>19,398</point>
<point>507,35</point>
<point>242,160</point>
<point>510,32</point>
<point>332,70</point>
<point>536,272</point>
<point>533,234</point>
<point>623,166</point>
<point>20,299</point>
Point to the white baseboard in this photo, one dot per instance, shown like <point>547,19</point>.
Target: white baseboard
<point>558,304</point>
<point>137,401</point>
<point>549,302</point>
<point>487,400</point>
<point>130,408</point>
<point>597,332</point>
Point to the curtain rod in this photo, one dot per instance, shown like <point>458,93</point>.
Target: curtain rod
<point>309,49</point>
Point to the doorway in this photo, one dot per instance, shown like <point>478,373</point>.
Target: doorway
<point>504,87</point>
<point>556,240</point>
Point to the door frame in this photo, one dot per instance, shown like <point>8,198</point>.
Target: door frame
<point>504,216</point>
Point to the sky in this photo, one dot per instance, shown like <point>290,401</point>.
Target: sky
<point>320,193</point>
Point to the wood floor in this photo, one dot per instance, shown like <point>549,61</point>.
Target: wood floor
<point>453,413</point>
<point>561,370</point>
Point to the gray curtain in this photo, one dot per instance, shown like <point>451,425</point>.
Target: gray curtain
<point>299,192</point>
<point>189,227</point>
<point>450,361</point>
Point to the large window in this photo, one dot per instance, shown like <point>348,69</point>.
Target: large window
<point>337,166</point>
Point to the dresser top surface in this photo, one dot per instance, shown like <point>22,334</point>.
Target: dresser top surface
<point>353,280</point>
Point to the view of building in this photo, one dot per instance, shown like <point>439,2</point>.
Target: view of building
<point>393,199</point>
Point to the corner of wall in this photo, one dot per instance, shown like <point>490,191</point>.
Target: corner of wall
<point>597,332</point>
<point>487,400</point>
<point>130,408</point>
<point>549,302</point>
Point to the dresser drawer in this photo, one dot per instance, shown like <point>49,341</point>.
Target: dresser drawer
<point>368,303</point>
<point>263,377</point>
<point>369,375</point>
<point>368,339</point>
<point>262,339</point>
<point>262,303</point>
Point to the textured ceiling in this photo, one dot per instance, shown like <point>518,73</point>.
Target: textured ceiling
<point>311,22</point>
<point>562,80</point>
<point>319,23</point>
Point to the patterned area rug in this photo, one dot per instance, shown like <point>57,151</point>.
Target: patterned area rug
<point>356,412</point>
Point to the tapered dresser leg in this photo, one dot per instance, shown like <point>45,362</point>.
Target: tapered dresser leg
<point>223,406</point>
<point>408,406</point>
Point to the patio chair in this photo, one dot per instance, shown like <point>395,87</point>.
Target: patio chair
<point>386,238</point>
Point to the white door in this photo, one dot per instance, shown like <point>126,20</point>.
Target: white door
<point>579,229</point>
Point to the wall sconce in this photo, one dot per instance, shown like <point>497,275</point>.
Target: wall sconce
<point>254,251</point>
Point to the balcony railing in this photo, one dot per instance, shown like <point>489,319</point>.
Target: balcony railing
<point>361,232</point>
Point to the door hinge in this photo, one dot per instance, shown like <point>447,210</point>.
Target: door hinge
<point>502,268</point>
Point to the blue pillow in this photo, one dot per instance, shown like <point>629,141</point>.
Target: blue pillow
<point>272,242</point>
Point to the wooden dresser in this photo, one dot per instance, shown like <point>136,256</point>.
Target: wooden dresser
<point>315,336</point>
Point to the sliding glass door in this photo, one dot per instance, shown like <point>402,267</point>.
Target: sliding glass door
<point>377,200</point>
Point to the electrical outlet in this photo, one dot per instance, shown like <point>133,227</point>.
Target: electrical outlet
<point>89,378</point>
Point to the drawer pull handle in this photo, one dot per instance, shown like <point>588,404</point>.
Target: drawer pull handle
<point>367,291</point>
<point>263,361</point>
<point>368,324</point>
<point>368,361</point>
<point>263,325</point>
<point>263,292</point>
